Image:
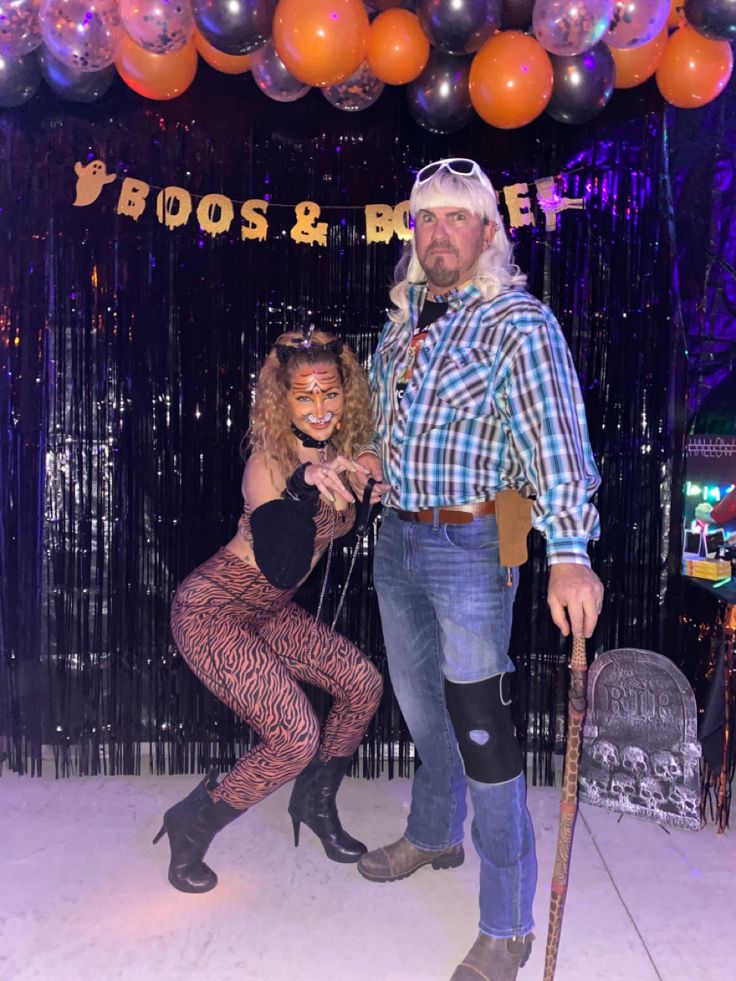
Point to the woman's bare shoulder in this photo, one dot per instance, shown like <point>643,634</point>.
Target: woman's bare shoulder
<point>262,480</point>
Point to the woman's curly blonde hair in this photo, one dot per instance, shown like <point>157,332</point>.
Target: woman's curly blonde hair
<point>269,431</point>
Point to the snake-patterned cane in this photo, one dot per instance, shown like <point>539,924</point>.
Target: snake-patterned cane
<point>568,804</point>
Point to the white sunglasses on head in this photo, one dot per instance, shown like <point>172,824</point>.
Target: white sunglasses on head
<point>460,166</point>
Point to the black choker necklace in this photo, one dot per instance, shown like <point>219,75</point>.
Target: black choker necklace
<point>309,441</point>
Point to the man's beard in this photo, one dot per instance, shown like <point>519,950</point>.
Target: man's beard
<point>439,274</point>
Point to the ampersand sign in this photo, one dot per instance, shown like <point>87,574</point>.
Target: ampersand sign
<point>307,230</point>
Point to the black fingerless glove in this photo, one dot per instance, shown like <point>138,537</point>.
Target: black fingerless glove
<point>284,531</point>
<point>297,489</point>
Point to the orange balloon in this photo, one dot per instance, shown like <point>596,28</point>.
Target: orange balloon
<point>321,42</point>
<point>636,65</point>
<point>156,76</point>
<point>398,48</point>
<point>510,80</point>
<point>693,69</point>
<point>677,13</point>
<point>226,63</point>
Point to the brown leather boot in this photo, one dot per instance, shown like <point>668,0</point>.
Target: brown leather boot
<point>400,859</point>
<point>494,958</point>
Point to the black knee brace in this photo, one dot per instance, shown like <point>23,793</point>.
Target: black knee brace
<point>481,717</point>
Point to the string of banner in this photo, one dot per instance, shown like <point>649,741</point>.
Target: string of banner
<point>215,213</point>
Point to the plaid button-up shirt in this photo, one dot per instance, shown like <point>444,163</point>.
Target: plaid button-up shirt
<point>493,402</point>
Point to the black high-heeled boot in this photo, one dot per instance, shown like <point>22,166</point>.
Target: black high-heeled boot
<point>191,825</point>
<point>313,802</point>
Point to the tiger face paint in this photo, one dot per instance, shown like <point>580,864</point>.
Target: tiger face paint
<point>316,399</point>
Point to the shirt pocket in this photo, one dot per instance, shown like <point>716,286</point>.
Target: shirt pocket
<point>466,380</point>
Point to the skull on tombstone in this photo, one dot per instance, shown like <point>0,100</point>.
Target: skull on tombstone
<point>691,753</point>
<point>593,788</point>
<point>685,800</point>
<point>651,791</point>
<point>606,753</point>
<point>635,761</point>
<point>666,766</point>
<point>622,785</point>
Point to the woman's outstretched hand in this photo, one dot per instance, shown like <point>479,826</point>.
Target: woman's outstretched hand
<point>326,477</point>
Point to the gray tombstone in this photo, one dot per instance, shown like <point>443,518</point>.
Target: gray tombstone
<point>640,751</point>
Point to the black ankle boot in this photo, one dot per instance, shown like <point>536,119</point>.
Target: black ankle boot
<point>313,802</point>
<point>191,825</point>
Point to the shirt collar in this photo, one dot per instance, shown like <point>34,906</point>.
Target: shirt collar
<point>467,295</point>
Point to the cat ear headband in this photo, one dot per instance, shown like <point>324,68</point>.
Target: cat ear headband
<point>285,352</point>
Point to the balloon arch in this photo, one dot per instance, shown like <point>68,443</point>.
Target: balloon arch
<point>506,60</point>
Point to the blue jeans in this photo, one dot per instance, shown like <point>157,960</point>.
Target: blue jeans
<point>446,613</point>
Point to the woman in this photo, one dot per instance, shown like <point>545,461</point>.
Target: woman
<point>236,626</point>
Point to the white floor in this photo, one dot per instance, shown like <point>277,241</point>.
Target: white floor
<point>84,896</point>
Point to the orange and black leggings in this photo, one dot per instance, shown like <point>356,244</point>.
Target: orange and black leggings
<point>251,646</point>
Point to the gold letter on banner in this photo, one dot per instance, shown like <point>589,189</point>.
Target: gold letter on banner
<point>173,206</point>
<point>517,201</point>
<point>207,213</point>
<point>551,204</point>
<point>255,226</point>
<point>307,229</point>
<point>90,181</point>
<point>132,200</point>
<point>401,221</point>
<point>379,223</point>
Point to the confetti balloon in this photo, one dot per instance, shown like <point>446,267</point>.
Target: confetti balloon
<point>568,27</point>
<point>83,34</point>
<point>636,22</point>
<point>355,93</point>
<point>20,31</point>
<point>158,26</point>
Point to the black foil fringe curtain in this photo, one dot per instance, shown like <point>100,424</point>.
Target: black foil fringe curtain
<point>129,354</point>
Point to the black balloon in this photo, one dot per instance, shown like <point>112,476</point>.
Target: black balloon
<point>516,15</point>
<point>439,99</point>
<point>19,79</point>
<point>459,26</point>
<point>583,84</point>
<point>72,84</point>
<point>380,5</point>
<point>388,4</point>
<point>714,19</point>
<point>236,27</point>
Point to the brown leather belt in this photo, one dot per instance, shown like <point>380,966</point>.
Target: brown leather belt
<point>453,514</point>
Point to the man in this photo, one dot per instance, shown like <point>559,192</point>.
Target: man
<point>474,393</point>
